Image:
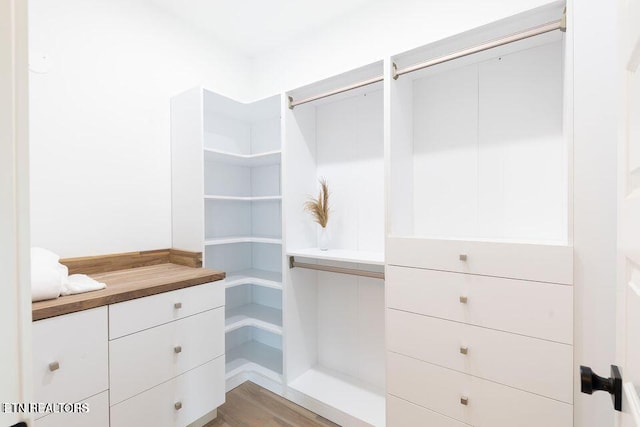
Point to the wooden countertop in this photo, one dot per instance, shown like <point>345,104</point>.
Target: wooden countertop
<point>128,284</point>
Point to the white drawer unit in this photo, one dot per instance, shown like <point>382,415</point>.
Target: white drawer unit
<point>70,356</point>
<point>97,416</point>
<point>143,360</point>
<point>539,366</point>
<point>470,399</point>
<point>175,403</point>
<point>542,263</point>
<point>136,315</point>
<point>401,413</point>
<point>535,309</point>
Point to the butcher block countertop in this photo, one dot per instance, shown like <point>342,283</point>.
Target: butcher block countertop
<point>128,284</point>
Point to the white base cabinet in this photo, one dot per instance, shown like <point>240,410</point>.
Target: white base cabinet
<point>163,367</point>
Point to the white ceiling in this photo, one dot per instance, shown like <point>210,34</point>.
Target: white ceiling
<point>255,26</point>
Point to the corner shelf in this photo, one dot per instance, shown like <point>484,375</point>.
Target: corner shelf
<point>243,198</point>
<point>249,160</point>
<point>341,255</point>
<point>242,239</point>
<point>255,357</point>
<point>345,393</point>
<point>259,316</point>
<point>267,279</point>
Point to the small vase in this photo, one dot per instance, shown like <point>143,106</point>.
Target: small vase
<point>323,239</point>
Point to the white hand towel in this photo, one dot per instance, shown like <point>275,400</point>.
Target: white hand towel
<point>47,275</point>
<point>79,283</point>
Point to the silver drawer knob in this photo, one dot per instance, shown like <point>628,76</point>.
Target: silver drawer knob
<point>178,406</point>
<point>177,349</point>
<point>464,350</point>
<point>463,257</point>
<point>54,366</point>
<point>177,305</point>
<point>463,299</point>
<point>464,400</point>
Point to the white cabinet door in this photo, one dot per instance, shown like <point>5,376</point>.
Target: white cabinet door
<point>97,416</point>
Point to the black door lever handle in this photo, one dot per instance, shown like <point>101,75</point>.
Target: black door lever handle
<point>590,382</point>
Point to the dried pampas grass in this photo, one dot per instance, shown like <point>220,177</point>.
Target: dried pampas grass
<point>319,208</point>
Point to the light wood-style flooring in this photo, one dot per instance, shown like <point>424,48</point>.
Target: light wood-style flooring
<point>250,405</point>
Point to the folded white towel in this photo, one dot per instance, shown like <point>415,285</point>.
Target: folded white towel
<point>47,275</point>
<point>79,283</point>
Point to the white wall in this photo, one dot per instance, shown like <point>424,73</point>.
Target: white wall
<point>381,28</point>
<point>100,149</point>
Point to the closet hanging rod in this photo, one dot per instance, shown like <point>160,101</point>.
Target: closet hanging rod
<point>368,82</point>
<point>560,24</point>
<point>352,271</point>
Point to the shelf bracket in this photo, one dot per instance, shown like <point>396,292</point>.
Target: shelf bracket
<point>319,267</point>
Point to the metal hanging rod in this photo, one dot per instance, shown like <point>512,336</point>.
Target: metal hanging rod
<point>368,82</point>
<point>531,32</point>
<point>352,271</point>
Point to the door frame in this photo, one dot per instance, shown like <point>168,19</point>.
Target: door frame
<point>15,304</point>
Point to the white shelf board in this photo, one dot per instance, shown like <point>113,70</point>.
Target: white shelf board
<point>243,198</point>
<point>267,279</point>
<point>345,393</point>
<point>343,255</point>
<point>242,239</point>
<point>255,357</point>
<point>250,160</point>
<point>256,315</point>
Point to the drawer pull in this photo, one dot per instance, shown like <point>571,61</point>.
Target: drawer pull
<point>54,366</point>
<point>464,350</point>
<point>463,299</point>
<point>463,257</point>
<point>177,305</point>
<point>178,406</point>
<point>177,349</point>
<point>464,400</point>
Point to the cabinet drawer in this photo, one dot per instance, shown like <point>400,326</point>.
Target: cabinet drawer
<point>489,404</point>
<point>401,413</point>
<point>543,263</point>
<point>98,415</point>
<point>143,313</point>
<point>530,364</point>
<point>145,359</point>
<point>535,309</point>
<point>199,391</point>
<point>78,344</point>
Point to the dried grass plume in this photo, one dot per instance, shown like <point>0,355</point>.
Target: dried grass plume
<point>319,208</point>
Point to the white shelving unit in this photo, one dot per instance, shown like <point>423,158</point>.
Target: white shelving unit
<point>226,175</point>
<point>334,322</point>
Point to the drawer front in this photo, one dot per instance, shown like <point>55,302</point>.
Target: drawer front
<point>530,364</point>
<point>534,309</point>
<point>136,315</point>
<point>78,344</point>
<point>543,263</point>
<point>143,360</point>
<point>401,413</point>
<point>489,404</point>
<point>98,415</point>
<point>199,391</point>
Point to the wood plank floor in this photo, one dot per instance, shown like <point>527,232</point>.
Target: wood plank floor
<point>250,405</point>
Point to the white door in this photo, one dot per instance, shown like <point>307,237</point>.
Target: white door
<point>15,300</point>
<point>628,338</point>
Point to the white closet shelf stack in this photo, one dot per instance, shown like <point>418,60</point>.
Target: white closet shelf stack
<point>340,255</point>
<point>347,394</point>
<point>249,160</point>
<point>255,357</point>
<point>259,316</point>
